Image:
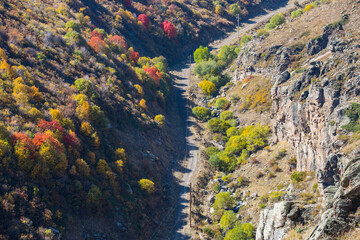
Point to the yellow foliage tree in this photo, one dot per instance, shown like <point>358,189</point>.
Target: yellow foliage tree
<point>102,167</point>
<point>56,115</point>
<point>142,104</point>
<point>207,87</point>
<point>86,128</point>
<point>147,185</point>
<point>82,167</point>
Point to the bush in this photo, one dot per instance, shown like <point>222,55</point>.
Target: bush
<point>207,69</point>
<point>298,176</point>
<point>240,232</point>
<point>223,200</point>
<point>227,220</point>
<point>262,33</point>
<point>160,119</point>
<point>270,26</point>
<point>215,161</point>
<point>147,185</point>
<point>226,115</point>
<point>308,7</point>
<point>245,39</point>
<point>222,103</point>
<point>296,13</point>
<point>277,19</point>
<point>207,87</point>
<point>217,125</point>
<point>201,54</point>
<point>202,113</point>
<point>211,151</point>
<point>227,53</point>
<point>72,25</point>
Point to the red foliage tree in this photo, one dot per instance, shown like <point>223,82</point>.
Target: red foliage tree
<point>97,33</point>
<point>117,40</point>
<point>24,139</point>
<point>127,3</point>
<point>41,138</point>
<point>97,44</point>
<point>145,20</point>
<point>134,56</point>
<point>154,73</point>
<point>52,126</point>
<point>71,139</point>
<point>169,29</point>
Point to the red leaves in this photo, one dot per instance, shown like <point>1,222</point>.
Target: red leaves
<point>127,3</point>
<point>145,20</point>
<point>71,139</point>
<point>154,73</point>
<point>41,138</point>
<point>98,34</point>
<point>134,56</point>
<point>52,126</point>
<point>169,29</point>
<point>24,139</point>
<point>97,44</point>
<point>117,40</point>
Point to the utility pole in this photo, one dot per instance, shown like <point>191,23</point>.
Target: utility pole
<point>238,28</point>
<point>190,205</point>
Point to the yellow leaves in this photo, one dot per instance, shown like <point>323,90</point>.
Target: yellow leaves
<point>84,110</point>
<point>80,98</point>
<point>35,94</point>
<point>147,185</point>
<point>4,147</point>
<point>120,154</point>
<point>139,89</point>
<point>86,128</point>
<point>308,7</point>
<point>142,104</point>
<point>102,167</point>
<point>35,113</point>
<point>56,115</point>
<point>119,165</point>
<point>3,54</point>
<point>207,87</point>
<point>82,167</point>
<point>160,119</point>
<point>118,18</point>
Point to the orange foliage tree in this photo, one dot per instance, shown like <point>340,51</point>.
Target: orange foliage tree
<point>97,44</point>
<point>154,73</point>
<point>169,29</point>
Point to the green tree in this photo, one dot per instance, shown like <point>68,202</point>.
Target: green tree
<point>227,220</point>
<point>215,161</point>
<point>296,13</point>
<point>226,115</point>
<point>217,125</point>
<point>202,113</point>
<point>245,39</point>
<point>227,53</point>
<point>222,103</point>
<point>223,200</point>
<point>240,232</point>
<point>277,19</point>
<point>94,196</point>
<point>207,68</point>
<point>235,9</point>
<point>201,54</point>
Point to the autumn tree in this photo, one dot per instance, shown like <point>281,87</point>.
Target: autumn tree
<point>102,167</point>
<point>100,33</point>
<point>201,54</point>
<point>119,42</point>
<point>207,87</point>
<point>97,44</point>
<point>154,73</point>
<point>134,57</point>
<point>144,20</point>
<point>147,185</point>
<point>169,29</point>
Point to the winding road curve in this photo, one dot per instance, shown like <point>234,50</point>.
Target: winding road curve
<point>181,72</point>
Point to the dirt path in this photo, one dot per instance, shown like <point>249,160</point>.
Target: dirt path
<point>181,73</point>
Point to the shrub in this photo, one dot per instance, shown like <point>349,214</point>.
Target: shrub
<point>353,112</point>
<point>201,54</point>
<point>207,69</point>
<point>72,25</point>
<point>228,53</point>
<point>217,125</point>
<point>219,10</point>
<point>298,176</point>
<point>262,33</point>
<point>227,220</point>
<point>97,44</point>
<point>245,39</point>
<point>308,7</point>
<point>202,113</point>
<point>85,86</point>
<point>154,74</point>
<point>222,103</point>
<point>211,151</point>
<point>270,26</point>
<point>134,56</point>
<point>160,119</point>
<point>226,115</point>
<point>240,232</point>
<point>296,13</point>
<point>215,161</point>
<point>223,200</point>
<point>147,185</point>
<point>277,19</point>
<point>232,131</point>
<point>207,87</point>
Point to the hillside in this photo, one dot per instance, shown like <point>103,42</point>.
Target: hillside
<point>88,130</point>
<point>277,129</point>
